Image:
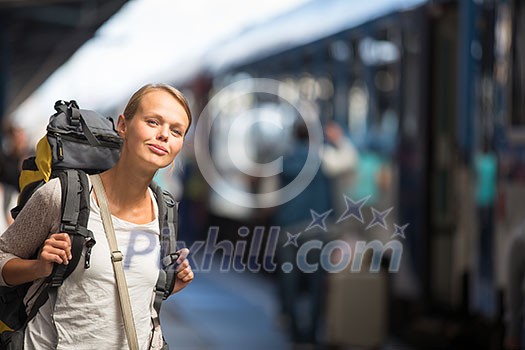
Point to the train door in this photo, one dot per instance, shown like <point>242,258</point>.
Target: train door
<point>509,128</point>
<point>413,144</point>
<point>442,161</point>
<point>462,166</point>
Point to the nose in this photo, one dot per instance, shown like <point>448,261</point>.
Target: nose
<point>163,134</point>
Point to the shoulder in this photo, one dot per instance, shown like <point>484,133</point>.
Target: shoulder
<point>50,192</point>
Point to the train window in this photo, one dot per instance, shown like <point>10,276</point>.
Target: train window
<point>377,52</point>
<point>340,51</point>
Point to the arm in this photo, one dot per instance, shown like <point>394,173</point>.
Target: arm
<point>56,249</point>
<point>21,241</point>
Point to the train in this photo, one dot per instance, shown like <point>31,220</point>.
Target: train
<point>437,89</point>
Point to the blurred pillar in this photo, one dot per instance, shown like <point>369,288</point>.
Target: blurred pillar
<point>4,68</point>
<point>469,56</point>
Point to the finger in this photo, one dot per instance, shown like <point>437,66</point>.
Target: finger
<point>188,277</point>
<point>52,258</point>
<point>61,253</point>
<point>185,275</point>
<point>183,272</point>
<point>183,265</point>
<point>51,242</point>
<point>67,239</point>
<point>61,237</point>
<point>183,253</point>
<point>61,241</point>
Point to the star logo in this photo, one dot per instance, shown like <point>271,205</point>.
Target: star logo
<point>399,231</point>
<point>379,218</point>
<point>353,209</point>
<point>318,220</point>
<point>292,239</point>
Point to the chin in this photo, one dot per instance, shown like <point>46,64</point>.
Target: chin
<point>163,164</point>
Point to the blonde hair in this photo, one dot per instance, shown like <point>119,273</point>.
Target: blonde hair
<point>134,101</point>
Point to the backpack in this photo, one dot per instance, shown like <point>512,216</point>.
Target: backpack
<point>78,142</point>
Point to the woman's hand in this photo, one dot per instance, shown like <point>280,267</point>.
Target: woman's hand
<point>56,249</point>
<point>184,272</point>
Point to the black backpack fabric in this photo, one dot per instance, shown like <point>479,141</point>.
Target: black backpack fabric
<point>76,139</point>
<point>78,142</point>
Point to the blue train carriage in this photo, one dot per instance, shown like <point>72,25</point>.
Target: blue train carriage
<point>488,138</point>
<point>432,89</point>
<point>505,96</point>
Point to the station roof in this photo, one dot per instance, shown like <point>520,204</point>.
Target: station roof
<point>41,35</point>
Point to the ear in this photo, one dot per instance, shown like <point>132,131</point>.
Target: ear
<point>121,126</point>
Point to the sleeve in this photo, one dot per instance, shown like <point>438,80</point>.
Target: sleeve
<point>516,271</point>
<point>40,216</point>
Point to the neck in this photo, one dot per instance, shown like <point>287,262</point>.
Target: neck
<point>126,186</point>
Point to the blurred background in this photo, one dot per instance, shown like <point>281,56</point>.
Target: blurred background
<point>422,108</point>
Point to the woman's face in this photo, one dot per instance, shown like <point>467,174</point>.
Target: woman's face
<point>155,134</point>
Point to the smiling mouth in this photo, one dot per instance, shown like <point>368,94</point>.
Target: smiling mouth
<point>158,149</point>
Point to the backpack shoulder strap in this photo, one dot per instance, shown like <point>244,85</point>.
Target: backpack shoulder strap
<point>75,214</point>
<point>168,221</point>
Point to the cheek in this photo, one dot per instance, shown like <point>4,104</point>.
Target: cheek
<point>176,145</point>
<point>145,132</point>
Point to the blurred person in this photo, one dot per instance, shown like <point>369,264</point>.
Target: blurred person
<point>373,183</point>
<point>339,159</point>
<point>301,293</point>
<point>193,214</point>
<point>485,163</point>
<point>152,127</point>
<point>8,200</point>
<point>15,150</point>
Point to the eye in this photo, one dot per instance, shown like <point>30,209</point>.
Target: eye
<point>152,122</point>
<point>176,132</point>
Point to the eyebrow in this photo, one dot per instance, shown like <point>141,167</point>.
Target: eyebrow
<point>156,115</point>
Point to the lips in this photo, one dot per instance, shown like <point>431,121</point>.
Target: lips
<point>158,149</point>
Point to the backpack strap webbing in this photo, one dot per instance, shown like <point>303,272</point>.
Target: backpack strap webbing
<point>168,244</point>
<point>75,214</point>
<point>72,111</point>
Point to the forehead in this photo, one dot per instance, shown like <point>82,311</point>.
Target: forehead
<point>162,103</point>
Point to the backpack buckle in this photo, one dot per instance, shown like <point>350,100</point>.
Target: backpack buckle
<point>170,259</point>
<point>68,228</point>
<point>117,256</point>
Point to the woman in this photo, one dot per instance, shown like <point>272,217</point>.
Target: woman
<point>85,312</point>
